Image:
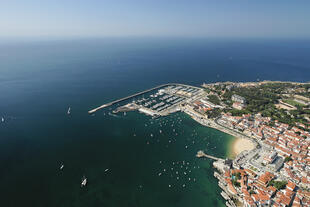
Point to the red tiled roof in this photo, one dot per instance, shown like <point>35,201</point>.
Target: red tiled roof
<point>291,185</point>
<point>265,178</point>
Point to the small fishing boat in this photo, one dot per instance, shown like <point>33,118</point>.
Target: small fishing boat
<point>2,119</point>
<point>62,166</point>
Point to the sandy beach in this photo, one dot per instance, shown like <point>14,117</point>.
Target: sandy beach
<point>239,145</point>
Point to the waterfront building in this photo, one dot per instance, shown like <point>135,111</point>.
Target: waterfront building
<point>237,98</point>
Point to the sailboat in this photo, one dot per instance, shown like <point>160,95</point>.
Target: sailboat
<point>84,181</point>
<point>69,111</point>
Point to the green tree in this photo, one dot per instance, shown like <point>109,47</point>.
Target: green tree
<point>214,99</point>
<point>278,184</point>
<point>287,159</point>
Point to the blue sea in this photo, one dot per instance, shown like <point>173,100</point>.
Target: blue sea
<point>39,80</point>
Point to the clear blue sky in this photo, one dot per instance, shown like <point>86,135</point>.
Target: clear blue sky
<point>189,18</point>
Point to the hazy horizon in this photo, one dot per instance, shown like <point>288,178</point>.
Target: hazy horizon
<point>202,19</point>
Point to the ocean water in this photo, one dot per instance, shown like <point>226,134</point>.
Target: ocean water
<point>39,80</point>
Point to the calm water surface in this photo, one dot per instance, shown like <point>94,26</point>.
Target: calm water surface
<point>40,80</point>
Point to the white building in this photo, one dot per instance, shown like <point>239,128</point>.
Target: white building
<point>237,98</point>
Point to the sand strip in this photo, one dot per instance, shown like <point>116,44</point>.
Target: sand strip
<point>239,145</point>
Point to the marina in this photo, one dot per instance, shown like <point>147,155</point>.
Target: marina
<point>124,99</point>
<point>158,101</point>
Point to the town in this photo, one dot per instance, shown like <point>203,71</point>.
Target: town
<point>275,116</point>
<point>277,171</point>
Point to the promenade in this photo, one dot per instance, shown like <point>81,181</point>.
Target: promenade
<point>213,124</point>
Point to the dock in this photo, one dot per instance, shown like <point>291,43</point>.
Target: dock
<point>125,98</point>
<point>201,154</point>
<point>134,95</point>
<point>98,108</point>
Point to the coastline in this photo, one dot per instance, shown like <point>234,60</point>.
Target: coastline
<point>240,141</point>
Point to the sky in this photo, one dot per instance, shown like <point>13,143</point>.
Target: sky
<point>155,18</point>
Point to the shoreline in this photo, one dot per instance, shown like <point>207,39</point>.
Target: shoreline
<point>238,145</point>
<point>258,82</point>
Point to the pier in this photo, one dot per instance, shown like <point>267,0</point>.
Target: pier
<point>201,154</point>
<point>134,95</point>
<point>125,98</point>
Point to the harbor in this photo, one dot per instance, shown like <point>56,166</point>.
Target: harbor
<point>157,101</point>
<point>195,102</point>
<point>124,99</point>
